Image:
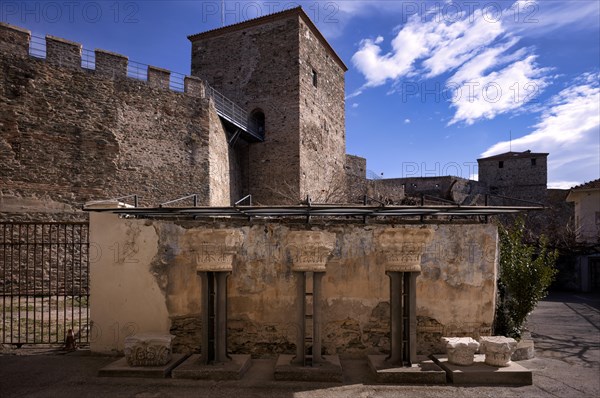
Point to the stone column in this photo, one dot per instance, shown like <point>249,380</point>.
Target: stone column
<point>309,251</point>
<point>400,249</point>
<point>214,262</point>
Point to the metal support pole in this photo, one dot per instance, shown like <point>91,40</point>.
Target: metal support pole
<point>204,305</point>
<point>300,315</point>
<point>214,317</point>
<point>412,320</point>
<point>316,348</point>
<point>221,318</point>
<point>395,318</point>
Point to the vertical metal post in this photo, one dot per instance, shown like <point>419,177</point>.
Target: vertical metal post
<point>316,348</point>
<point>300,315</point>
<point>204,304</point>
<point>395,318</point>
<point>221,318</point>
<point>214,317</point>
<point>412,319</point>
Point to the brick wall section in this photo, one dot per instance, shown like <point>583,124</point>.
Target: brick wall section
<point>70,135</point>
<point>14,40</point>
<point>322,121</point>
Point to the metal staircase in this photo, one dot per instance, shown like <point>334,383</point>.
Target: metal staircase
<point>230,112</point>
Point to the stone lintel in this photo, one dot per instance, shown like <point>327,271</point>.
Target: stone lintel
<point>309,250</point>
<point>498,350</point>
<point>216,249</point>
<point>461,350</point>
<point>401,249</point>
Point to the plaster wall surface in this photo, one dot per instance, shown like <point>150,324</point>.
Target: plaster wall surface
<point>587,215</point>
<point>455,290</point>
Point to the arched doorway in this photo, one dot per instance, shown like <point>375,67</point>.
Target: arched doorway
<point>257,121</point>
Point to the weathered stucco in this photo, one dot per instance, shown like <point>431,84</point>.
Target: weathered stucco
<point>158,288</point>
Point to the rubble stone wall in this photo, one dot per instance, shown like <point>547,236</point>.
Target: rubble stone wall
<point>70,134</point>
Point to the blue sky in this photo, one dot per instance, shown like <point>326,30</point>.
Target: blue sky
<point>431,86</point>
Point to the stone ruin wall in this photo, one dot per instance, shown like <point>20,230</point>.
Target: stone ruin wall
<point>71,134</point>
<point>156,288</point>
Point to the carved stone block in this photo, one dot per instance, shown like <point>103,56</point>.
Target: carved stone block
<point>461,350</point>
<point>497,349</point>
<point>148,349</point>
<point>309,250</point>
<point>401,249</point>
<point>216,249</point>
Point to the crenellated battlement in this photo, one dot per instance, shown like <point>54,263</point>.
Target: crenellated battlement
<point>19,42</point>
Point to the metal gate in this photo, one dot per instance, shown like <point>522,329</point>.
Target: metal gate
<point>44,282</point>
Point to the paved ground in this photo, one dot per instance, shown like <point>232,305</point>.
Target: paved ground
<point>565,327</point>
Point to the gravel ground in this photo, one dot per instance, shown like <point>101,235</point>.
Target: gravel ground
<point>565,328</point>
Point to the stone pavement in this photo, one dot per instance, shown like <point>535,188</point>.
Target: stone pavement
<point>565,327</point>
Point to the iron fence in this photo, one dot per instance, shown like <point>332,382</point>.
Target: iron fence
<point>44,286</point>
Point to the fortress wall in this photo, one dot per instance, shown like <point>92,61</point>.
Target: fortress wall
<point>70,134</point>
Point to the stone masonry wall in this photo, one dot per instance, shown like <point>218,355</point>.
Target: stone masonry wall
<point>455,290</point>
<point>322,121</point>
<point>257,67</point>
<point>517,178</point>
<point>69,134</point>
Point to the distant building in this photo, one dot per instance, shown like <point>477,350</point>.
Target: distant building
<point>521,175</point>
<point>586,198</point>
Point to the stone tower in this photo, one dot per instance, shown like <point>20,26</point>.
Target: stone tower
<point>520,175</point>
<point>280,69</point>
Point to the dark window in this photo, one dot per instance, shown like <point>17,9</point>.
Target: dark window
<point>314,78</point>
<point>501,164</point>
<point>259,120</point>
<point>533,161</point>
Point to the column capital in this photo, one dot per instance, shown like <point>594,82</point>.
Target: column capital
<point>401,249</point>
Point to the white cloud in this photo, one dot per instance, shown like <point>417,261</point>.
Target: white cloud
<point>484,96</point>
<point>355,105</point>
<point>569,129</point>
<point>490,76</point>
<point>406,121</point>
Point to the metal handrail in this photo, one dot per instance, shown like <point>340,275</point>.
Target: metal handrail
<point>235,114</point>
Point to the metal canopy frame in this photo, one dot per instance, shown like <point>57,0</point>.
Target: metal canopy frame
<point>311,210</point>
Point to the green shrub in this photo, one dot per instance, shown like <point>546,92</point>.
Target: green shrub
<point>526,272</point>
